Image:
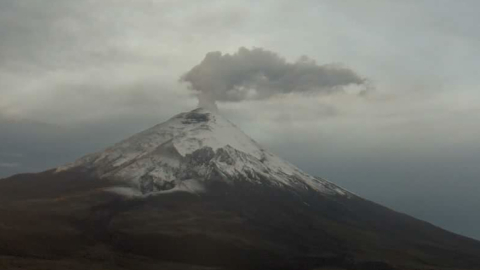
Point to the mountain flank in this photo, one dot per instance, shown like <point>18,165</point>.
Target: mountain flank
<point>195,192</point>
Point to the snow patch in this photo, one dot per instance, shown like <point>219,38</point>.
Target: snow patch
<point>189,186</point>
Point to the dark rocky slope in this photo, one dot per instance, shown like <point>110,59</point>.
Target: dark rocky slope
<point>69,220</point>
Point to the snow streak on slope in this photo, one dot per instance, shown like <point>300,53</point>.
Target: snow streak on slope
<point>198,145</point>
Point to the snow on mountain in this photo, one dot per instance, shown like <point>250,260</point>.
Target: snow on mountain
<point>195,147</point>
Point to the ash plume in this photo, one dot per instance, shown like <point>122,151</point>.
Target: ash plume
<point>259,74</point>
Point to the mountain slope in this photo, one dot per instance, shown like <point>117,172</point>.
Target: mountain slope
<point>194,146</point>
<point>197,193</point>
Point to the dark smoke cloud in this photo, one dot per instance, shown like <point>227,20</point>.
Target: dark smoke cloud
<point>259,74</point>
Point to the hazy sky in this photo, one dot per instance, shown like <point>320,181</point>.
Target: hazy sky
<point>76,76</point>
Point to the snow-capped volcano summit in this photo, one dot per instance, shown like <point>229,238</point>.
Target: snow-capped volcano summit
<point>196,147</point>
<point>241,207</point>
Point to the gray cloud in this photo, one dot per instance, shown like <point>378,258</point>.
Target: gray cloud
<point>9,164</point>
<point>258,74</point>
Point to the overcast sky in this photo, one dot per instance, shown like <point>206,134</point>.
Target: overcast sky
<point>77,76</point>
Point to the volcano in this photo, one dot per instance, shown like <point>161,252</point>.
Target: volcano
<point>195,192</point>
